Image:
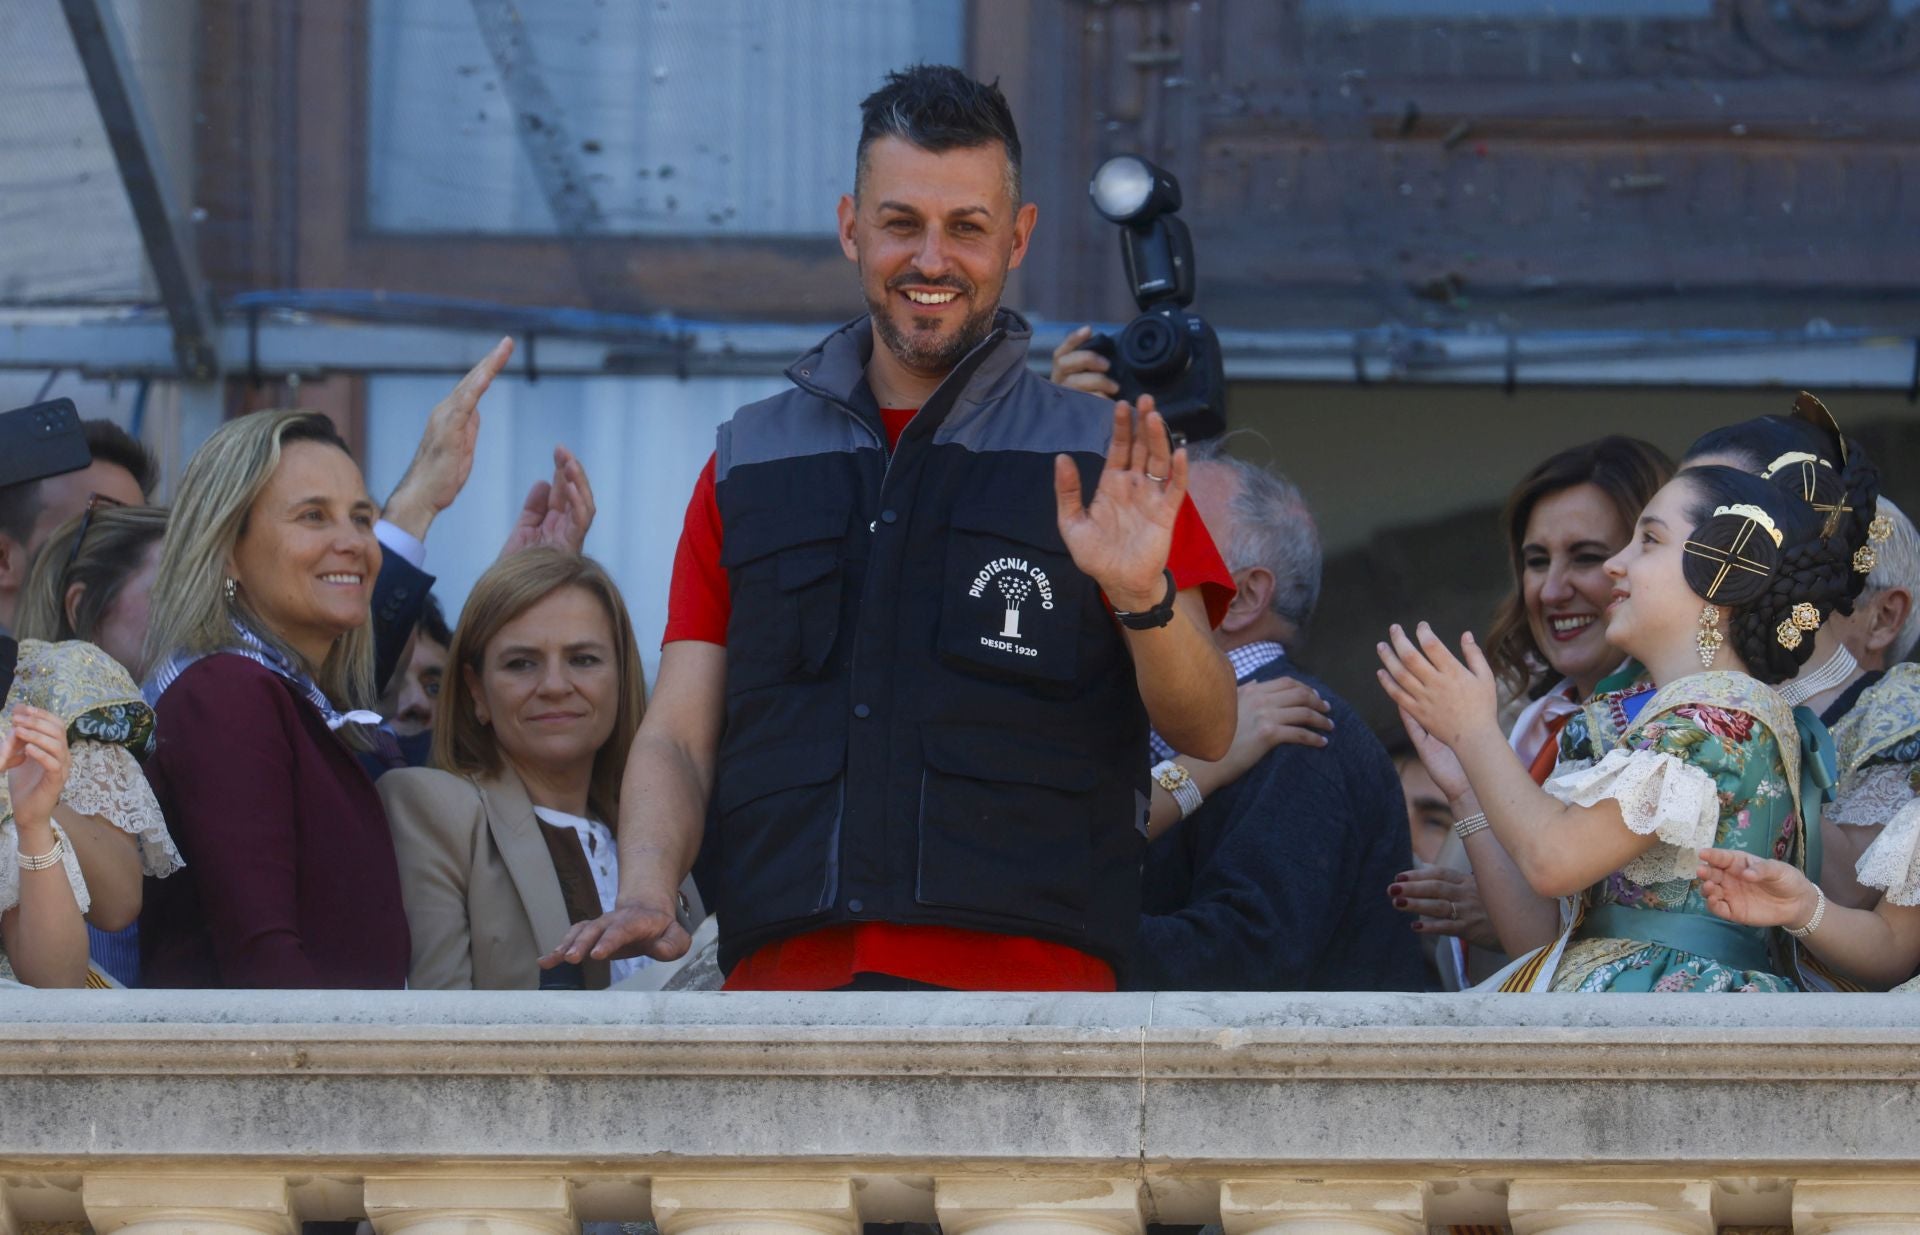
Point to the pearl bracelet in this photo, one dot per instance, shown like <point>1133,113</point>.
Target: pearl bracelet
<point>1464,828</point>
<point>47,860</point>
<point>1819,913</point>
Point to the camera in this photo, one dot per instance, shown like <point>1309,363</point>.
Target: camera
<point>1167,351</point>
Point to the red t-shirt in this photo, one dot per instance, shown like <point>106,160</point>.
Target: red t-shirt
<point>699,604</point>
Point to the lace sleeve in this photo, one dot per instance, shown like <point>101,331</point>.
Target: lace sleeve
<point>1873,796</point>
<point>10,867</point>
<point>1659,795</point>
<point>1892,861</point>
<point>107,781</point>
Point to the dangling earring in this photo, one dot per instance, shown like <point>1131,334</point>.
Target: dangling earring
<point>230,588</point>
<point>1710,638</point>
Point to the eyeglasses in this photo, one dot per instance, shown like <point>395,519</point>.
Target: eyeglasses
<point>94,502</point>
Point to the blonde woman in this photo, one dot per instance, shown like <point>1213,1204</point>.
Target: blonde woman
<point>264,662</point>
<point>512,842</point>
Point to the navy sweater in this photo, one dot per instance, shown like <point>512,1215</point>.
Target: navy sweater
<point>1279,881</point>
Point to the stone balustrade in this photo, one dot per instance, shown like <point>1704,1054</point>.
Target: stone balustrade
<point>215,1113</point>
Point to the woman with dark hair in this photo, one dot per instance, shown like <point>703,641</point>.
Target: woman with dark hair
<point>1563,521</point>
<point>1711,758</point>
<point>1548,644</point>
<point>1868,838</point>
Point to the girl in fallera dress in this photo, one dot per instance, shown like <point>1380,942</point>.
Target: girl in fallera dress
<point>1714,596</point>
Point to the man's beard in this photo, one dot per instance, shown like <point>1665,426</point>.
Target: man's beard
<point>928,351</point>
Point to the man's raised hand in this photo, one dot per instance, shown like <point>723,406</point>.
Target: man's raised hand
<point>444,457</point>
<point>1123,538</point>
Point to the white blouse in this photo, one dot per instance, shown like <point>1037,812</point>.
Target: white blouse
<point>596,840</point>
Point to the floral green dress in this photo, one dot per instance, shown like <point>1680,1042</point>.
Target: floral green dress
<point>1703,765</point>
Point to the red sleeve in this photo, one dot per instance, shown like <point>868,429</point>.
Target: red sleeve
<point>699,602</point>
<point>232,781</point>
<point>1195,562</point>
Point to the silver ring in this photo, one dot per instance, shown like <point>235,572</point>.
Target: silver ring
<point>1453,911</point>
<point>1158,480</point>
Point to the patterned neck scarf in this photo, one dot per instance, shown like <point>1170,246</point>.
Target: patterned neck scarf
<point>260,652</point>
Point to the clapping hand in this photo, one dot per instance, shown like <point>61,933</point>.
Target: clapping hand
<point>444,457</point>
<point>1447,697</point>
<point>35,758</point>
<point>1122,540</point>
<point>1439,760</point>
<point>557,513</point>
<point>1755,891</point>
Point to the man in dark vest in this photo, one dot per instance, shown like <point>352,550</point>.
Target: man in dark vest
<point>909,669</point>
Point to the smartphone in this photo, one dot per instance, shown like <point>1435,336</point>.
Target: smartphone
<point>42,440</point>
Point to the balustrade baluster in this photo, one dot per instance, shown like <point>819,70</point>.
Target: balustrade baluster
<point>1317,1207</point>
<point>175,1203</point>
<point>1014,1206</point>
<point>754,1207</point>
<point>1610,1207</point>
<point>1862,1207</point>
<point>469,1205</point>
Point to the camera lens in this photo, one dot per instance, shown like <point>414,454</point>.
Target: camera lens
<point>1154,346</point>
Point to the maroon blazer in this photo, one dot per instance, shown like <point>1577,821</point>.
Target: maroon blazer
<point>290,877</point>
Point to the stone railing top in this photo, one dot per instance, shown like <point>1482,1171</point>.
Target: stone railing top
<point>1196,1103</point>
<point>1169,1011</point>
<point>1192,1099</point>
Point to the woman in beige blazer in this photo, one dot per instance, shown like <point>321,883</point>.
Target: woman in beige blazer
<point>507,840</point>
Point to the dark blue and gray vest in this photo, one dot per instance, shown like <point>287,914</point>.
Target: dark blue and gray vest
<point>930,716</point>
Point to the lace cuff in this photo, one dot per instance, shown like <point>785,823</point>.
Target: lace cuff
<point>1892,861</point>
<point>1659,795</point>
<point>10,867</point>
<point>107,781</point>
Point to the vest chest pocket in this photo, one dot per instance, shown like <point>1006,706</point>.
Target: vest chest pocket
<point>786,574</point>
<point>1012,602</point>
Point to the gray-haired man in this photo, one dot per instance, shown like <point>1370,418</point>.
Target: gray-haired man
<point>1873,713</point>
<point>1278,880</point>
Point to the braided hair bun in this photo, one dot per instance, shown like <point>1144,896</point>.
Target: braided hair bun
<point>1807,456</point>
<point>1732,559</point>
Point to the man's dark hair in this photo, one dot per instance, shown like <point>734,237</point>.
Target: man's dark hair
<point>433,622</point>
<point>938,108</point>
<point>107,443</point>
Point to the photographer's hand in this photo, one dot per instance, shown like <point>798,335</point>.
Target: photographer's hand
<point>1080,368</point>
